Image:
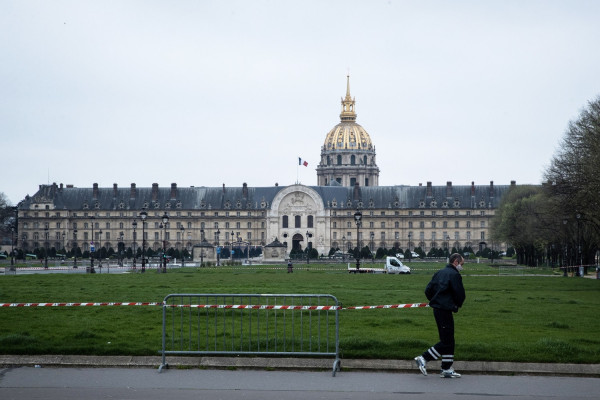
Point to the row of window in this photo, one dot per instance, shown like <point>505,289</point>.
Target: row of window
<point>382,236</point>
<point>411,224</point>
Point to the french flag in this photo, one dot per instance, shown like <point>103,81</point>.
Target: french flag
<point>300,162</point>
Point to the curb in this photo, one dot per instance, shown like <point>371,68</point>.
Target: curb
<point>403,366</point>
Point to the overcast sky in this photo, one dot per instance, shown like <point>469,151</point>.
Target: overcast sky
<point>205,93</point>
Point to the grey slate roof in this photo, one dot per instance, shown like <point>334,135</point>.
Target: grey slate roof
<point>256,198</point>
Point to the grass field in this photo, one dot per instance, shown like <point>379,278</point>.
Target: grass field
<point>511,314</point>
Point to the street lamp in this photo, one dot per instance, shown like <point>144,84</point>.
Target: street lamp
<point>46,246</point>
<point>372,246</point>
<point>577,273</point>
<point>12,248</point>
<point>165,220</point>
<point>231,245</point>
<point>565,253</point>
<point>357,219</point>
<point>201,247</point>
<point>343,248</point>
<point>92,271</point>
<point>218,232</point>
<point>134,224</point>
<point>143,216</point>
<point>182,245</point>
<point>122,249</point>
<point>409,243</point>
<point>75,248</point>
<point>99,253</point>
<point>307,247</point>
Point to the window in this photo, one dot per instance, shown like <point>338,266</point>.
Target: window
<point>456,225</point>
<point>410,225</point>
<point>353,160</point>
<point>383,225</point>
<point>371,224</point>
<point>352,182</point>
<point>433,224</point>
<point>445,224</point>
<point>482,224</point>
<point>396,235</point>
<point>334,225</point>
<point>309,221</point>
<point>396,224</point>
<point>339,160</point>
<point>482,236</point>
<point>249,225</point>
<point>422,225</point>
<point>334,235</point>
<point>284,221</point>
<point>297,220</point>
<point>468,224</point>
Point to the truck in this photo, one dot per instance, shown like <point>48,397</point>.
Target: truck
<point>392,266</point>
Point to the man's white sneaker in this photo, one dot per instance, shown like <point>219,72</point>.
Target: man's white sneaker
<point>449,373</point>
<point>421,363</point>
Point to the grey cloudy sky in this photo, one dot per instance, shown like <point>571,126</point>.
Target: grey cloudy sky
<point>203,93</point>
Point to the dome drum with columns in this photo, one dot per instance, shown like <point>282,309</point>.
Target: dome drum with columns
<point>348,155</point>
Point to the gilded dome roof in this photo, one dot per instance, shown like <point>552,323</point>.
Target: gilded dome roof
<point>348,135</point>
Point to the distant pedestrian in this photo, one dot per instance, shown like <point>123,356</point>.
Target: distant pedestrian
<point>290,267</point>
<point>446,295</point>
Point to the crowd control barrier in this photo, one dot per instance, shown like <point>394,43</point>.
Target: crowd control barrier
<point>251,324</point>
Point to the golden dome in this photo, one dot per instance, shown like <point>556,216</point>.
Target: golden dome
<point>348,135</point>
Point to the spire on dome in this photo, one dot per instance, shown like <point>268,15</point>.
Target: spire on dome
<point>348,113</point>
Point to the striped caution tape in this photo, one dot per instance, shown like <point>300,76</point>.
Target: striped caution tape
<point>77,304</point>
<point>219,306</point>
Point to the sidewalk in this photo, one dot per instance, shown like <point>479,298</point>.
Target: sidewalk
<point>471,367</point>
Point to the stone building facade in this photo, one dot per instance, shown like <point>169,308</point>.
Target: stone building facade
<point>295,216</point>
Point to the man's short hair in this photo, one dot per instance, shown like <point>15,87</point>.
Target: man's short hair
<point>454,257</point>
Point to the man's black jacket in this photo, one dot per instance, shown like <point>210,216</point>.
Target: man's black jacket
<point>445,290</point>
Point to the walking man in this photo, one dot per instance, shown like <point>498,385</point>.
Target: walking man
<point>446,295</point>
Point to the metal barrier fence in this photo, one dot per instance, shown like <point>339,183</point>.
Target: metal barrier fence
<point>251,324</point>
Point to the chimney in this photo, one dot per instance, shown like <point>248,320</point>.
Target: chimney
<point>245,190</point>
<point>173,191</point>
<point>154,191</point>
<point>61,186</point>
<point>513,183</point>
<point>472,188</point>
<point>95,191</point>
<point>448,189</point>
<point>115,190</point>
<point>429,190</point>
<point>491,188</point>
<point>132,193</point>
<point>356,191</point>
<point>223,188</point>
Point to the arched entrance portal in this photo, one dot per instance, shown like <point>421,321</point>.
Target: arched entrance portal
<point>296,241</point>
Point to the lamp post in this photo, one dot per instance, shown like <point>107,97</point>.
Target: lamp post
<point>231,245</point>
<point>46,246</point>
<point>74,248</point>
<point>182,245</point>
<point>343,248</point>
<point>577,273</point>
<point>165,220</point>
<point>92,270</point>
<point>134,224</point>
<point>218,250</point>
<point>99,252</point>
<point>201,247</point>
<point>122,246</point>
<point>12,248</point>
<point>143,216</point>
<point>409,243</point>
<point>565,252</point>
<point>307,247</point>
<point>372,247</point>
<point>357,219</point>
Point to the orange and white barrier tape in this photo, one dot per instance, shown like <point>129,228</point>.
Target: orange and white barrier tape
<point>219,306</point>
<point>76,304</point>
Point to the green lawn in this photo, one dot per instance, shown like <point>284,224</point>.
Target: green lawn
<point>527,315</point>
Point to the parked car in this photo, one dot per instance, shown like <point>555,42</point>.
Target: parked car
<point>400,255</point>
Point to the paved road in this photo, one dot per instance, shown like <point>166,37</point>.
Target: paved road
<point>174,384</point>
